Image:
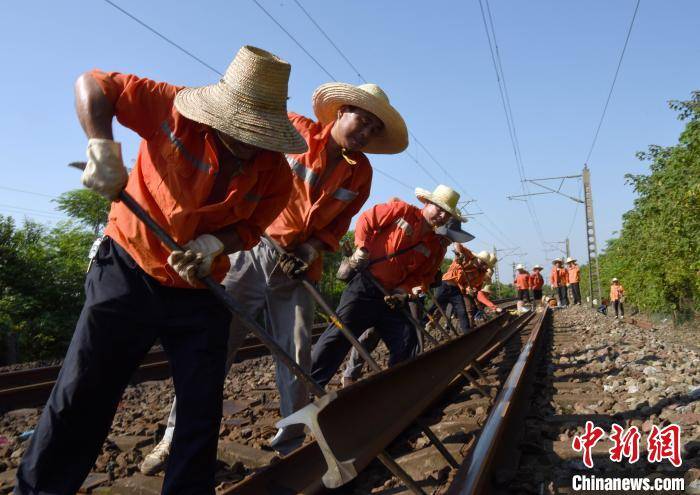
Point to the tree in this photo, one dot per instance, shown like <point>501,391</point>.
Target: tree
<point>657,254</point>
<point>41,285</point>
<point>86,206</point>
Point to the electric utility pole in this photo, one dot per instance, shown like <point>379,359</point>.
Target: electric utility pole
<point>594,288</point>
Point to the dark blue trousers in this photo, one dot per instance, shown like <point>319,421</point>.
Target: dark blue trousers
<point>450,294</point>
<point>362,306</point>
<point>125,311</point>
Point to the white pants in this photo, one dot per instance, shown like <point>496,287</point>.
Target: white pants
<point>288,309</point>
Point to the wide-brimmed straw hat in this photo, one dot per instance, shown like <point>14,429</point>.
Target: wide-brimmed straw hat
<point>557,260</point>
<point>538,266</point>
<point>249,103</point>
<point>484,256</point>
<point>453,231</point>
<point>614,279</point>
<point>570,260</point>
<point>443,196</point>
<point>520,266</point>
<point>329,97</point>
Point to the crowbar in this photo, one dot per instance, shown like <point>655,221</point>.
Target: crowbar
<point>248,323</point>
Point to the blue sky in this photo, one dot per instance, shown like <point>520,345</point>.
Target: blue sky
<point>431,58</point>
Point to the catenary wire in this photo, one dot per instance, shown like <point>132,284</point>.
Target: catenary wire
<point>612,86</point>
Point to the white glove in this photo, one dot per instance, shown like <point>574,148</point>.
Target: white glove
<point>498,310</point>
<point>359,259</point>
<point>105,172</point>
<point>196,262</point>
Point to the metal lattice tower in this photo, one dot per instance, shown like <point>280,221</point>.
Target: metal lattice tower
<point>593,266</point>
<point>496,275</point>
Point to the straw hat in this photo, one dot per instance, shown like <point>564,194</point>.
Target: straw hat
<point>538,266</point>
<point>492,259</point>
<point>249,103</point>
<point>453,231</point>
<point>557,260</point>
<point>486,288</point>
<point>443,196</point>
<point>570,260</point>
<point>615,279</point>
<point>485,256</point>
<point>520,266</point>
<point>329,97</point>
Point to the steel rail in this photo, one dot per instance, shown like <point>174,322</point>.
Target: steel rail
<point>476,474</point>
<point>354,423</point>
<point>239,313</point>
<point>366,356</point>
<point>31,387</point>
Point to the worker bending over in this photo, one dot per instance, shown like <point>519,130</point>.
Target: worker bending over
<point>331,182</point>
<point>382,231</point>
<point>211,171</point>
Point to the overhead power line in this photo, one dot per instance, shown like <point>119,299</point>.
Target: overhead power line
<point>202,62</point>
<point>413,136</point>
<point>612,86</point>
<point>490,30</point>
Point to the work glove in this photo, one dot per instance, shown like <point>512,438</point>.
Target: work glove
<point>294,265</point>
<point>105,172</point>
<point>196,261</point>
<point>359,259</point>
<point>396,301</point>
<point>498,310</point>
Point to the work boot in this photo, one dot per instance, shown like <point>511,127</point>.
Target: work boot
<point>288,439</point>
<point>156,459</point>
<point>346,381</point>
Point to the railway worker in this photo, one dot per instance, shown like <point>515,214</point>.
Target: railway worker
<point>382,231</point>
<point>536,284</point>
<point>331,182</point>
<point>453,283</point>
<point>211,171</point>
<point>477,273</point>
<point>573,272</point>
<point>522,283</point>
<point>451,232</point>
<point>558,281</point>
<point>483,300</point>
<point>617,297</point>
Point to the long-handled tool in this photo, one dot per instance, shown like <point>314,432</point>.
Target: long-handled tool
<point>371,362</point>
<point>448,322</point>
<point>473,364</point>
<point>419,326</point>
<point>249,324</point>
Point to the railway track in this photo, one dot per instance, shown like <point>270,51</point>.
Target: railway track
<point>507,350</point>
<point>31,387</point>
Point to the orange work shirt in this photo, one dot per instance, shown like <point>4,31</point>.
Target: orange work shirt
<point>616,292</point>
<point>558,277</point>
<point>522,281</point>
<point>465,276</point>
<point>536,281</point>
<point>484,299</point>
<point>390,227</point>
<point>175,170</point>
<point>320,205</point>
<point>563,276</point>
<point>455,273</point>
<point>574,274</point>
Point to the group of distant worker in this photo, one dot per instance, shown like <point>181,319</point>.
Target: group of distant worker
<point>255,195</point>
<point>563,280</point>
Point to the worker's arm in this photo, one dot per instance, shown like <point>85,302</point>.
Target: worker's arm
<point>95,111</point>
